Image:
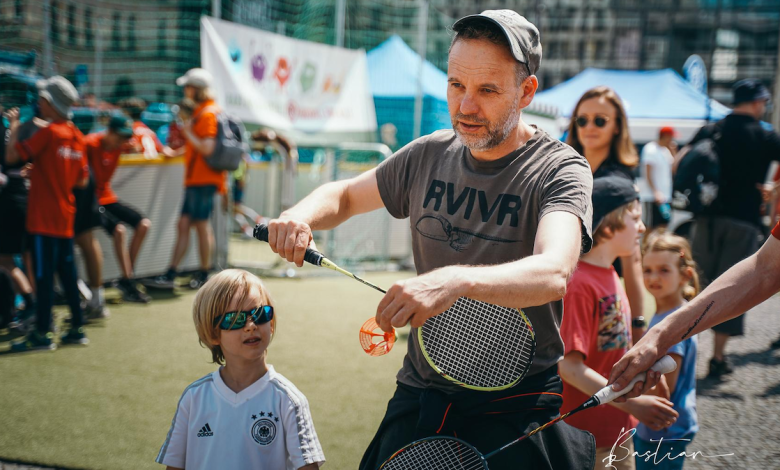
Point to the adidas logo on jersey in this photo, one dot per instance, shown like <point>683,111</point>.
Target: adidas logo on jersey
<point>205,431</point>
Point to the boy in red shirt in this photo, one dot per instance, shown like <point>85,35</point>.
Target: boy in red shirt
<point>596,328</point>
<point>103,150</point>
<point>59,164</point>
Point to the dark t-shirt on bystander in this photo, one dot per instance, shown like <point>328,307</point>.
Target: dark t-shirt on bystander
<point>745,151</point>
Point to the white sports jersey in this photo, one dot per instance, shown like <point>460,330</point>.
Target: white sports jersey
<point>267,426</point>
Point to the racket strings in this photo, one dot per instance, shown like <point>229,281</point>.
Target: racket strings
<point>436,454</point>
<point>480,344</point>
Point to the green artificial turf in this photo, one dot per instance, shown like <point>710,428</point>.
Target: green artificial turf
<point>109,405</point>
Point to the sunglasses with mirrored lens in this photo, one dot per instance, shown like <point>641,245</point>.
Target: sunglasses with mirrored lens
<point>599,121</point>
<point>259,316</point>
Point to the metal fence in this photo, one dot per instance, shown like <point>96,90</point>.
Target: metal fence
<point>369,241</point>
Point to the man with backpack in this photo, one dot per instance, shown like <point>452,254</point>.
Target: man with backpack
<point>728,224</point>
<point>201,180</point>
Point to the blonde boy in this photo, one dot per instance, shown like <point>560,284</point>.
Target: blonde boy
<point>596,328</point>
<point>244,415</point>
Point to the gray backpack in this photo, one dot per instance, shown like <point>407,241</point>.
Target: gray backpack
<point>231,143</point>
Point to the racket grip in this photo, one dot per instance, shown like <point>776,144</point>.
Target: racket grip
<point>664,365</point>
<point>312,256</point>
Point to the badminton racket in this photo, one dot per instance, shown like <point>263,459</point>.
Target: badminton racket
<point>449,453</point>
<point>473,344</point>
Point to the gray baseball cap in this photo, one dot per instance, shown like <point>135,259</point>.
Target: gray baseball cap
<point>522,35</point>
<point>59,92</point>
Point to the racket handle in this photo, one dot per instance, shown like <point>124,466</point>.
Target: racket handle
<point>664,365</point>
<point>312,256</point>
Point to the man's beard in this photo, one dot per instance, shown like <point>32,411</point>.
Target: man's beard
<point>496,133</point>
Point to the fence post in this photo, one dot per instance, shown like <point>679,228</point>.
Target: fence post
<point>47,65</point>
<point>422,31</point>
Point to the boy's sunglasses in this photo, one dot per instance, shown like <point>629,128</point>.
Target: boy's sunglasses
<point>259,316</point>
<point>599,121</point>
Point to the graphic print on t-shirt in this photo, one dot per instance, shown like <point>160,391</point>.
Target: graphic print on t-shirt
<point>437,227</point>
<point>263,429</point>
<point>613,329</point>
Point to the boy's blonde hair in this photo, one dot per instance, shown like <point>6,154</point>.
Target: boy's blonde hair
<point>214,299</point>
<point>661,240</point>
<point>613,222</point>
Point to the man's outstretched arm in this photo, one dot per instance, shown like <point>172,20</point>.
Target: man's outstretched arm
<point>739,289</point>
<point>326,207</point>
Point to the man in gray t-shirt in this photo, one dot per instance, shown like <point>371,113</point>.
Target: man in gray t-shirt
<point>499,212</point>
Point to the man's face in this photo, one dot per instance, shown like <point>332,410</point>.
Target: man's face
<point>761,108</point>
<point>482,93</point>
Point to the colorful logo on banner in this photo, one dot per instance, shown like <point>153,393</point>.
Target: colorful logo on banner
<point>283,71</point>
<point>259,64</point>
<point>331,86</point>
<point>235,52</point>
<point>308,75</point>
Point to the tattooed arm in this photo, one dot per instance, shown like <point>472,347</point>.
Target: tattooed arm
<point>739,289</point>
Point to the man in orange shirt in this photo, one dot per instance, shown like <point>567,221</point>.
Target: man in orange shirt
<point>59,165</point>
<point>103,150</point>
<point>200,180</point>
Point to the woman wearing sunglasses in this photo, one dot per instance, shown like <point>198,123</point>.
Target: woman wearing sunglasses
<point>599,131</point>
<point>244,415</point>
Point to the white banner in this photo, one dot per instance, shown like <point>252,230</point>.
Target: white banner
<point>287,84</point>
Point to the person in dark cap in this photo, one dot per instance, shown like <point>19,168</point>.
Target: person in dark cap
<point>732,229</point>
<point>596,327</point>
<point>103,152</point>
<point>524,199</point>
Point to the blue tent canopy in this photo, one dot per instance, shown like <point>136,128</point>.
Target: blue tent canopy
<point>657,94</point>
<point>393,68</point>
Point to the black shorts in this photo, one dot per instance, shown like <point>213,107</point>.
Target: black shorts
<point>238,194</point>
<point>198,202</point>
<point>718,243</point>
<point>14,238</point>
<point>87,215</point>
<point>112,214</point>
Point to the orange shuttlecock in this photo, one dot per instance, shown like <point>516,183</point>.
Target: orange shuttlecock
<point>374,341</point>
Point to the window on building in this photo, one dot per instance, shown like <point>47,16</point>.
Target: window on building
<point>601,21</point>
<point>72,24</point>
<point>19,10</point>
<point>88,35</point>
<point>55,23</point>
<point>162,43</point>
<point>131,32</point>
<point>116,37</point>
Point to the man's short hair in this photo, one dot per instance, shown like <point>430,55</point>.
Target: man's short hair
<point>490,32</point>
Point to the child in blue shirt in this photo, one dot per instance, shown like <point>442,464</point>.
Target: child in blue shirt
<point>670,276</point>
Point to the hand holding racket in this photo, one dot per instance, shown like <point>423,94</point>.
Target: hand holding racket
<point>474,344</point>
<point>454,454</point>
